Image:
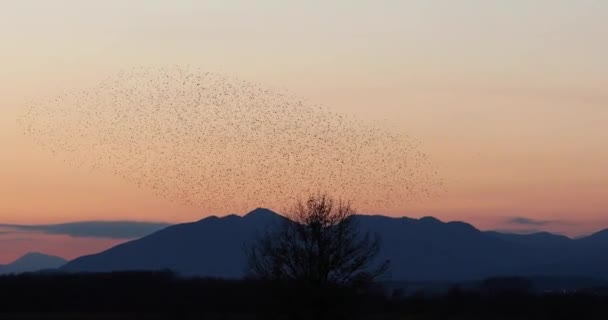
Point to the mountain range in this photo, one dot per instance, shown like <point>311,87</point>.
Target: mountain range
<point>32,261</point>
<point>423,249</point>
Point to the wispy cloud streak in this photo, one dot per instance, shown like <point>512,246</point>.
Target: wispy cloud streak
<point>90,229</point>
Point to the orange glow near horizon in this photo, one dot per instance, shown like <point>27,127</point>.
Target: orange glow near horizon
<point>14,246</point>
<point>507,98</point>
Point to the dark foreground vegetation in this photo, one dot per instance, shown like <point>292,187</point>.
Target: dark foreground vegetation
<point>162,295</point>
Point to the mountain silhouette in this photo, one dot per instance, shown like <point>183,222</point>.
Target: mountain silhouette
<point>32,261</point>
<point>424,249</point>
<point>535,240</point>
<point>210,247</point>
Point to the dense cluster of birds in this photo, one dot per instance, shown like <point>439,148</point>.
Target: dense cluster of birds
<point>225,144</point>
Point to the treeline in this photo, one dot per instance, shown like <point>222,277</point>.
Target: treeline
<point>164,294</point>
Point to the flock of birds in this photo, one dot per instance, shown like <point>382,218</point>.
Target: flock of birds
<point>225,144</point>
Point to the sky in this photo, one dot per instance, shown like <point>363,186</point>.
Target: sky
<point>507,97</point>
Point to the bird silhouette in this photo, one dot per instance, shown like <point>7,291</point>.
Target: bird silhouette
<point>225,144</point>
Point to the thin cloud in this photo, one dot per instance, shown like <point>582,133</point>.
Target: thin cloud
<point>92,229</point>
<point>528,221</point>
<point>525,225</point>
<point>520,231</point>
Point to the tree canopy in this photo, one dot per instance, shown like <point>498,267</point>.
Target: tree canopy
<point>319,244</point>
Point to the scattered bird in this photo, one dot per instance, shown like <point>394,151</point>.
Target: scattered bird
<point>220,143</point>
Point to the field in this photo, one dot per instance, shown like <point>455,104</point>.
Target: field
<point>164,296</point>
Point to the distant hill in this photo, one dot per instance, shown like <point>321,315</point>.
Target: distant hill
<point>535,240</point>
<point>211,247</point>
<point>423,249</point>
<point>32,261</point>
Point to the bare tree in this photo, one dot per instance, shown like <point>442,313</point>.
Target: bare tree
<point>320,244</point>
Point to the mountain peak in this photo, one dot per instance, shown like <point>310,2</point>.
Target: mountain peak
<point>33,254</point>
<point>33,261</point>
<point>261,213</point>
<point>31,257</point>
<point>430,219</point>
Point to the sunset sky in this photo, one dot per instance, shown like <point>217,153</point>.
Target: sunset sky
<point>509,98</point>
